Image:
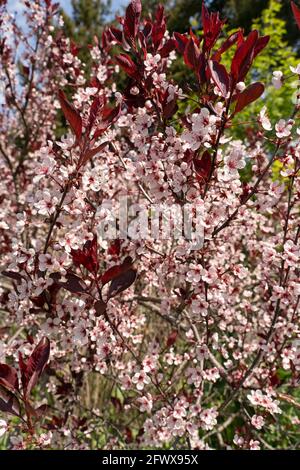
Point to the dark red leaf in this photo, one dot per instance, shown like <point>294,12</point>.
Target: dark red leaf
<point>132,19</point>
<point>9,377</point>
<point>97,104</point>
<point>116,34</point>
<point>159,15</point>
<point>87,256</point>
<point>94,83</point>
<point>172,338</point>
<point>191,54</point>
<point>128,435</point>
<point>42,410</point>
<point>220,76</point>
<point>36,412</point>
<point>36,364</point>
<point>121,283</point>
<point>168,46</point>
<point>30,411</point>
<point>181,41</point>
<point>74,48</point>
<point>25,70</point>
<point>202,67</point>
<point>230,41</point>
<point>115,247</point>
<point>261,43</point>
<point>142,42</point>
<point>147,29</point>
<point>73,284</point>
<point>275,380</point>
<point>170,107</point>
<point>116,271</point>
<point>100,308</point>
<point>9,402</point>
<point>159,27</point>
<point>109,116</point>
<point>296,12</point>
<point>92,152</point>
<point>127,65</point>
<point>205,18</point>
<point>203,166</point>
<point>22,366</point>
<point>71,114</point>
<point>212,26</point>
<point>243,57</point>
<point>250,94</point>
<point>117,404</point>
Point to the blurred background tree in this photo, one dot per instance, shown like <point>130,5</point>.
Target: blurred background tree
<point>239,13</point>
<point>270,17</point>
<point>278,55</point>
<point>89,16</point>
<point>87,20</point>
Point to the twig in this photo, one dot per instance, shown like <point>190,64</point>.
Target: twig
<point>252,192</point>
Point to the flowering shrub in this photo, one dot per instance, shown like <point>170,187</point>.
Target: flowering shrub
<point>154,341</point>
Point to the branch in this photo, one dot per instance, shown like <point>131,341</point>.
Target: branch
<point>252,192</point>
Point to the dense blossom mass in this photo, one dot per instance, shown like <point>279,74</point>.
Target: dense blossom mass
<point>120,340</point>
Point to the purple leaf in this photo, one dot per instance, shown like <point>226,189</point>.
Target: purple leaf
<point>132,19</point>
<point>296,12</point>
<point>71,114</point>
<point>9,402</point>
<point>9,377</point>
<point>220,76</point>
<point>121,283</point>
<point>36,364</point>
<point>250,94</point>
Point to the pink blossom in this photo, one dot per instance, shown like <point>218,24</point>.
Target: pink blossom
<point>146,403</point>
<point>264,119</point>
<point>277,79</point>
<point>292,253</point>
<point>208,418</point>
<point>258,398</point>
<point>283,128</point>
<point>140,379</point>
<point>254,445</point>
<point>151,61</point>
<point>295,69</point>
<point>3,427</point>
<point>257,421</point>
<point>46,203</point>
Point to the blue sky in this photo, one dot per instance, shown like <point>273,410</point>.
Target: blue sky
<point>16,5</point>
<point>66,4</point>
